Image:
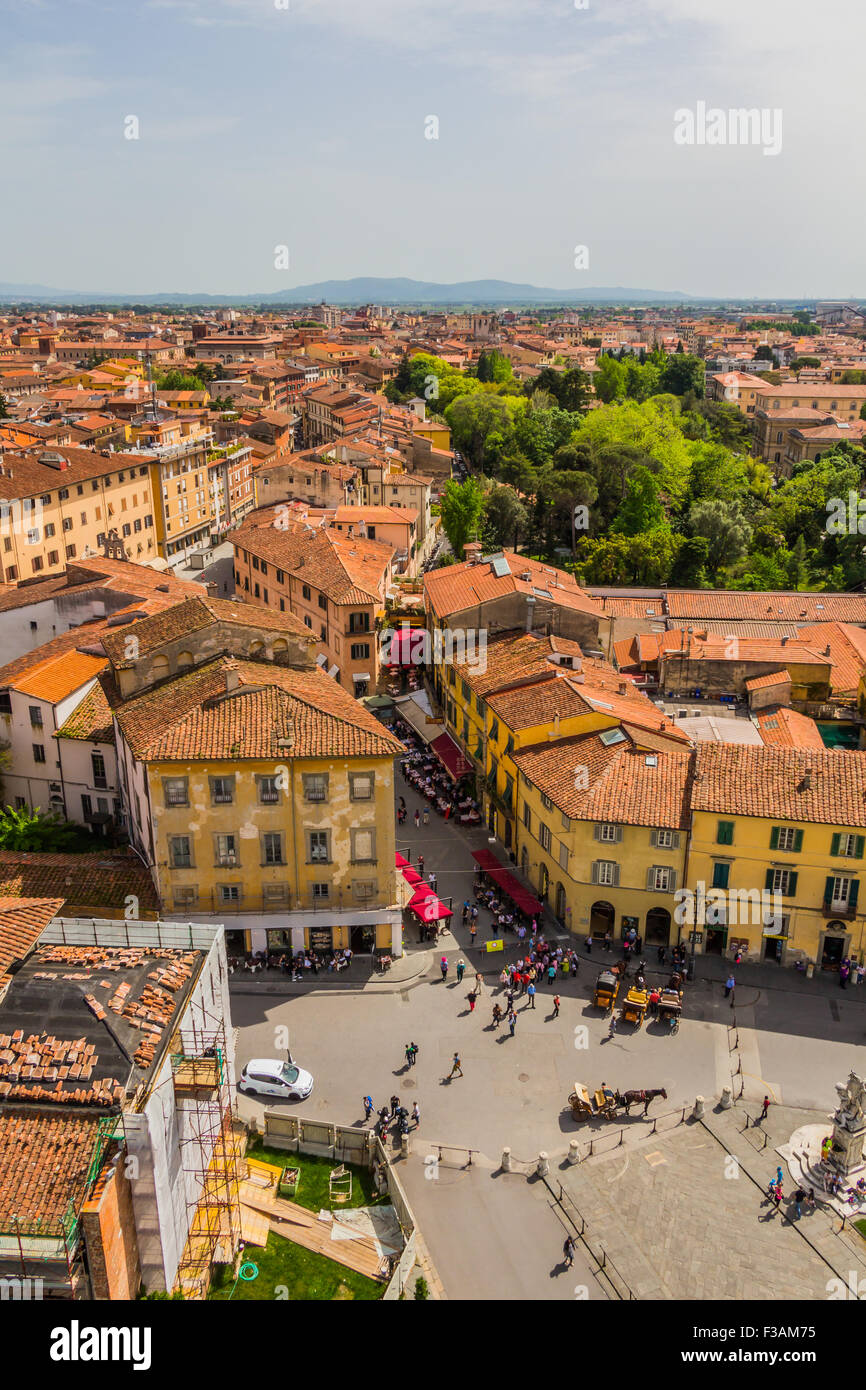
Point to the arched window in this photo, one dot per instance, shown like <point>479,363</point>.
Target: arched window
<point>184,661</point>
<point>256,648</point>
<point>160,667</point>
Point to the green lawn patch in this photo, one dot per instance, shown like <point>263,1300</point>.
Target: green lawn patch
<point>861,1227</point>
<point>312,1190</point>
<point>304,1276</point>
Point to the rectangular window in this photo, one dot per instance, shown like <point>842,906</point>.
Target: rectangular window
<point>175,791</point>
<point>360,650</point>
<point>782,881</point>
<point>230,892</point>
<point>363,846</point>
<point>544,835</point>
<point>608,833</point>
<point>269,792</point>
<point>222,790</point>
<point>725,832</point>
<point>36,716</point>
<point>185,896</point>
<point>786,838</point>
<point>315,786</point>
<point>848,846</point>
<point>38,753</point>
<point>86,806</point>
<point>660,879</point>
<point>361,786</point>
<point>97,763</point>
<point>721,874</point>
<point>180,852</point>
<point>563,856</point>
<point>226,850</point>
<point>272,849</point>
<point>321,890</point>
<point>323,603</point>
<point>606,872</point>
<point>527,816</point>
<point>318,848</point>
<point>665,839</point>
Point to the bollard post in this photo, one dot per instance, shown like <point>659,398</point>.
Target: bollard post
<point>506,1160</point>
<point>404,1146</point>
<point>699,1107</point>
<point>726,1098</point>
<point>574,1151</point>
<point>542,1168</point>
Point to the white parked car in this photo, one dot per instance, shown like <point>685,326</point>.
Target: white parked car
<point>267,1077</point>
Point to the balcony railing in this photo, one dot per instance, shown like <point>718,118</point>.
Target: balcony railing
<point>844,911</point>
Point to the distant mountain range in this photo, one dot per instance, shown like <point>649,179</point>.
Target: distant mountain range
<point>367,289</point>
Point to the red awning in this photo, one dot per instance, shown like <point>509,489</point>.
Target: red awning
<point>450,756</point>
<point>400,861</point>
<point>429,909</point>
<point>411,875</point>
<point>504,879</point>
<point>407,646</point>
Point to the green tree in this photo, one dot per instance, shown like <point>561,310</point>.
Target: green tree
<point>492,365</point>
<point>610,380</point>
<point>482,426</point>
<point>4,410</point>
<point>642,509</point>
<point>725,529</point>
<point>461,507</point>
<point>26,831</point>
<point>569,490</point>
<point>504,519</point>
<point>691,559</point>
<point>683,373</point>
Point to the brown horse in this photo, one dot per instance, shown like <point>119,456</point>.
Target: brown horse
<point>630,1098</point>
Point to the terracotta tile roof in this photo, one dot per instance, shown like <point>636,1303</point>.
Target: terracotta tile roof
<point>623,787</point>
<point>346,569</point>
<point>58,676</point>
<point>30,477</point>
<point>847,654</point>
<point>696,604</point>
<point>22,922</point>
<point>515,658</point>
<point>458,587</point>
<point>200,716</point>
<point>85,881</point>
<point>787,728</point>
<point>769,782</point>
<point>774,678</point>
<point>91,719</point>
<point>44,1159</point>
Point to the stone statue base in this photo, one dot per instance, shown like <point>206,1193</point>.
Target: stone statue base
<point>846,1156</point>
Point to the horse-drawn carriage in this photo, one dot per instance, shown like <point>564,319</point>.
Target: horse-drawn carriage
<point>670,1006</point>
<point>586,1106</point>
<point>606,990</point>
<point>635,1006</point>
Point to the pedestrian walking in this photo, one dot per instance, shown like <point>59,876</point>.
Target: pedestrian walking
<point>433,881</point>
<point>443,966</point>
<point>780,1177</point>
<point>426,816</point>
<point>416,1114</point>
<point>844,972</point>
<point>730,982</point>
<point>611,1027</point>
<point>455,1066</point>
<point>589,944</point>
<point>530,990</point>
<point>479,983</point>
<point>765,1105</point>
<point>568,1251</point>
<point>556,1003</point>
<point>413,1049</point>
<point>417,818</point>
<point>368,1107</point>
<point>472,997</point>
<point>512,1021</point>
<point>461,966</point>
<point>607,941</point>
<point>472,930</point>
<point>421,865</point>
<point>551,972</point>
<point>466,913</point>
<point>408,1054</point>
<point>395,1105</point>
<point>798,1198</point>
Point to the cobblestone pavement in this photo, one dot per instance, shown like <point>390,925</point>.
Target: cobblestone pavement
<point>684,1215</point>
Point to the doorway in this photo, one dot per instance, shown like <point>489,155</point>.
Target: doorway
<point>774,948</point>
<point>834,946</point>
<point>658,927</point>
<point>717,940</point>
<point>601,919</point>
<point>362,940</point>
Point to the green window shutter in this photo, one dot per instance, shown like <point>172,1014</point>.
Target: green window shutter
<point>725,835</point>
<point>774,837</point>
<point>853,892</point>
<point>798,841</point>
<point>834,844</point>
<point>721,874</point>
<point>650,878</point>
<point>595,871</point>
<point>676,842</point>
<point>768,883</point>
<point>792,886</point>
<point>673,881</point>
<point>654,838</point>
<point>859,842</point>
<point>828,888</point>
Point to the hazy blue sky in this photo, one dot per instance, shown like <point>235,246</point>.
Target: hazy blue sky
<point>305,126</point>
